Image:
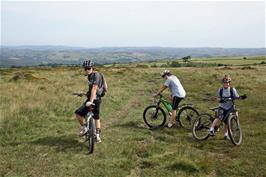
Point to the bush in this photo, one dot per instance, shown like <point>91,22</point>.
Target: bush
<point>164,65</point>
<point>175,64</point>
<point>219,64</point>
<point>247,67</point>
<point>142,66</point>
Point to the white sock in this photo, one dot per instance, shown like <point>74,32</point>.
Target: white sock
<point>226,134</point>
<point>211,129</point>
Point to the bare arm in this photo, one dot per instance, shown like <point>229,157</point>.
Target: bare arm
<point>93,93</point>
<point>161,89</point>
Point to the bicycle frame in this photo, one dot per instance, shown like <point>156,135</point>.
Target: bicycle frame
<point>184,115</point>
<point>90,135</point>
<point>224,120</point>
<point>88,117</point>
<point>168,105</point>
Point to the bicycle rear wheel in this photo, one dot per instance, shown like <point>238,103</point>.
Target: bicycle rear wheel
<point>154,116</point>
<point>186,116</point>
<point>201,126</point>
<point>90,136</point>
<point>235,132</point>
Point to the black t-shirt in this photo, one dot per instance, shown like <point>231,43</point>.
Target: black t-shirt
<point>94,79</point>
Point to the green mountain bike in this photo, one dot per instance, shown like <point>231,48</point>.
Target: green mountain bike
<point>155,117</point>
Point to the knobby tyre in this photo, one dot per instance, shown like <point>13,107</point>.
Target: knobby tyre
<point>201,126</point>
<point>90,135</point>
<point>186,116</point>
<point>154,117</point>
<point>235,132</point>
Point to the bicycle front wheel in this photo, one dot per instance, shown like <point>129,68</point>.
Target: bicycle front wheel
<point>235,132</point>
<point>154,117</point>
<point>91,135</point>
<point>186,116</point>
<point>201,126</point>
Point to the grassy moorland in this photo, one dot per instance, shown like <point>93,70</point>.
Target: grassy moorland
<point>38,132</point>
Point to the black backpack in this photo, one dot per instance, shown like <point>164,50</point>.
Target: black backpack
<point>231,93</point>
<point>103,87</point>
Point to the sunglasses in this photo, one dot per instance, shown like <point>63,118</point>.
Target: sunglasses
<point>87,68</point>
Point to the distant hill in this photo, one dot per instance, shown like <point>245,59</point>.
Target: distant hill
<point>36,55</point>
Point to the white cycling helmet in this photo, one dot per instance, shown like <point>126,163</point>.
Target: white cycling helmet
<point>226,79</point>
<point>165,72</point>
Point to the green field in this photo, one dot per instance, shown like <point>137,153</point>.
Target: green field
<point>39,132</point>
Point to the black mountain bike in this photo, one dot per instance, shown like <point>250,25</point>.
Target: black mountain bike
<point>90,135</point>
<point>204,121</point>
<point>155,117</point>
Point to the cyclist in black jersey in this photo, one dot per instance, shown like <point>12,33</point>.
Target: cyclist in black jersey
<point>94,83</point>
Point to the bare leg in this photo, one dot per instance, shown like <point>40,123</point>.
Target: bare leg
<point>173,118</point>
<point>225,129</point>
<point>98,130</point>
<point>214,123</point>
<point>80,119</point>
<point>98,124</point>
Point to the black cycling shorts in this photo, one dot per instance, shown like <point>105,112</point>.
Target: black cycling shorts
<point>223,114</point>
<point>176,101</point>
<point>83,110</point>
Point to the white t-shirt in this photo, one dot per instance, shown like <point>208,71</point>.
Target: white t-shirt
<point>175,87</point>
<point>226,93</point>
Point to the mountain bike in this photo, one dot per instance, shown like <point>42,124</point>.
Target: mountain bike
<point>155,117</point>
<point>204,121</point>
<point>90,135</point>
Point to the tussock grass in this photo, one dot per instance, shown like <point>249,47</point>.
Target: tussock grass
<point>38,134</point>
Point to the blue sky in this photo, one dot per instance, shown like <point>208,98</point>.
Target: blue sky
<point>167,24</point>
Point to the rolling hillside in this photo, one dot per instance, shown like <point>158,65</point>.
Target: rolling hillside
<point>36,55</point>
<point>38,132</point>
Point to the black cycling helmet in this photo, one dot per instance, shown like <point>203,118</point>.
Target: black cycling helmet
<point>87,64</point>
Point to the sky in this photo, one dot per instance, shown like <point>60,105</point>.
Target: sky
<point>134,24</point>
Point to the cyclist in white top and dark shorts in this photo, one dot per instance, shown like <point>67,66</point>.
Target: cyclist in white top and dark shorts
<point>226,96</point>
<point>177,92</point>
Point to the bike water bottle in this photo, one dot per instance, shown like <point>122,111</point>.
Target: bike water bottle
<point>169,106</point>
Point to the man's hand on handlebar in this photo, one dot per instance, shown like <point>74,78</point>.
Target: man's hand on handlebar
<point>242,97</point>
<point>88,104</point>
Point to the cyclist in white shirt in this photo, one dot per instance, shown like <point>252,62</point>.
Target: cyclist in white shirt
<point>177,92</point>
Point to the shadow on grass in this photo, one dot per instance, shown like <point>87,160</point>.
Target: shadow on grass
<point>212,144</point>
<point>183,166</point>
<point>131,124</point>
<point>61,143</point>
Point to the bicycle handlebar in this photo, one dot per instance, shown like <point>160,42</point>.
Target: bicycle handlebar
<point>160,95</point>
<point>242,97</point>
<point>80,94</point>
